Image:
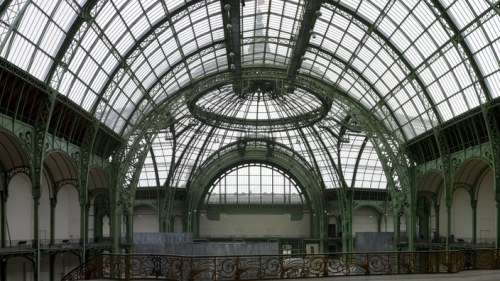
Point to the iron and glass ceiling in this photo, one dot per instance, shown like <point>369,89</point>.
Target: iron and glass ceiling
<point>333,152</point>
<point>259,108</point>
<point>419,62</point>
<point>267,31</point>
<point>427,60</point>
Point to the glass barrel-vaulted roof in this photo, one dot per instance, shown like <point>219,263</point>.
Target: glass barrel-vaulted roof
<point>268,29</point>
<point>134,54</point>
<point>328,146</point>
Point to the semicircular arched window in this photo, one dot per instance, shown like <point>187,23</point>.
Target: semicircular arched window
<point>255,184</point>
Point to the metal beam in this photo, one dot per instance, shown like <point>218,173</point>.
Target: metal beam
<point>463,49</point>
<point>76,34</point>
<point>153,158</point>
<point>71,41</point>
<point>11,16</point>
<point>172,68</point>
<point>371,88</point>
<point>234,14</point>
<point>395,51</point>
<point>221,78</point>
<point>227,33</point>
<point>308,21</point>
<point>357,162</point>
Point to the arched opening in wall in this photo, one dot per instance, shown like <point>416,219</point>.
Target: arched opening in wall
<point>365,219</point>
<point>333,232</point>
<point>485,206</point>
<point>429,216</point>
<point>100,213</point>
<point>461,215</point>
<point>178,228</point>
<point>332,226</point>
<point>106,227</point>
<point>467,183</point>
<point>15,163</point>
<point>146,219</point>
<point>61,173</point>
<point>13,153</point>
<point>67,224</point>
<point>20,221</point>
<point>423,219</point>
<point>252,200</point>
<point>97,184</point>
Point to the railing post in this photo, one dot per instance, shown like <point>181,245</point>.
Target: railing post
<point>237,277</point>
<point>181,270</point>
<point>102,265</point>
<point>260,275</point>
<point>325,265</point>
<point>473,204</point>
<point>215,269</point>
<point>191,270</point>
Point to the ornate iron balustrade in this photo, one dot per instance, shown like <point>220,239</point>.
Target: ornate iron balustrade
<point>257,267</point>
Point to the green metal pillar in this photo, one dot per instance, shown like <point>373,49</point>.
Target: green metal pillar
<point>379,228</point>
<point>115,229</point>
<point>347,243</point>
<point>53,203</point>
<point>385,220</point>
<point>98,225</point>
<point>448,226</point>
<point>196,232</point>
<point>86,230</point>
<point>52,269</point>
<point>312,216</point>
<point>83,235</point>
<point>423,217</point>
<point>411,222</point>
<point>473,204</point>
<point>3,217</point>
<point>161,223</point>
<point>37,257</point>
<point>436,213</point>
<point>322,237</point>
<point>490,115</point>
<point>497,226</point>
<point>130,232</point>
<point>397,225</point>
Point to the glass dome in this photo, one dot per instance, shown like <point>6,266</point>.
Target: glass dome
<point>263,106</point>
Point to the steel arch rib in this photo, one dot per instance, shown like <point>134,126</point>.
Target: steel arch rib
<point>365,80</point>
<point>393,48</point>
<point>70,36</point>
<point>463,44</point>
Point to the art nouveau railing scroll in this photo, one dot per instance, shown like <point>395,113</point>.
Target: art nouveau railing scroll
<point>256,267</point>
